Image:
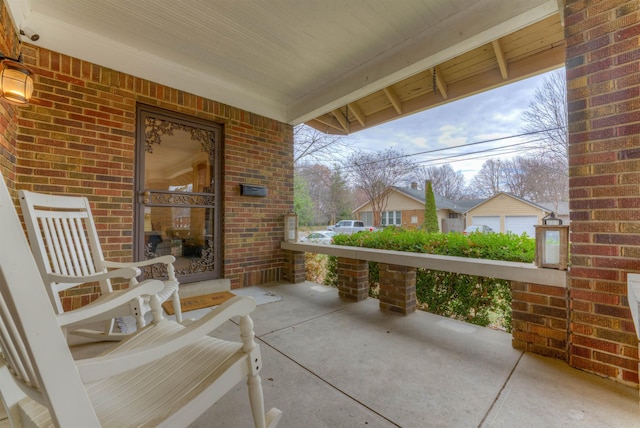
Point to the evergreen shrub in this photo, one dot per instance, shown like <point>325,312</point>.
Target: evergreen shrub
<point>477,300</point>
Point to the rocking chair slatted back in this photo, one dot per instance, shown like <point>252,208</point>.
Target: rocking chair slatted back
<point>65,238</point>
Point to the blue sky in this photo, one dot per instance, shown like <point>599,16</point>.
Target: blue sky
<point>489,115</point>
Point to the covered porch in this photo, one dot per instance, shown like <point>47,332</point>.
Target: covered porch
<point>327,361</point>
<point>338,363</point>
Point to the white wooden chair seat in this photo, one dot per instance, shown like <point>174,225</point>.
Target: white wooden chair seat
<point>142,401</point>
<point>65,243</point>
<point>165,374</point>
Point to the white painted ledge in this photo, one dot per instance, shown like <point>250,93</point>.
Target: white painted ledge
<point>512,271</point>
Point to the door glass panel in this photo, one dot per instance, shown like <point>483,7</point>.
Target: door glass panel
<point>176,180</point>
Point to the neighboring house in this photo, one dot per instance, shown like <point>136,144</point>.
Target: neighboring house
<point>405,207</point>
<point>505,212</point>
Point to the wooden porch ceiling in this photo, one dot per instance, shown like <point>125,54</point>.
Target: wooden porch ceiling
<point>532,50</point>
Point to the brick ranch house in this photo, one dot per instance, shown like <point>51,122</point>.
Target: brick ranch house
<point>79,136</point>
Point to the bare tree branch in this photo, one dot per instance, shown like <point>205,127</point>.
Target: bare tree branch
<point>374,173</point>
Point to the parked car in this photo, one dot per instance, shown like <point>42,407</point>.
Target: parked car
<point>350,226</point>
<point>478,228</point>
<point>319,237</point>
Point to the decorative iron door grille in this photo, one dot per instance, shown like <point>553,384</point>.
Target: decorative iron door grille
<point>177,210</point>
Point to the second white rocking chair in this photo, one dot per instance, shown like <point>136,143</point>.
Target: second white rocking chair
<point>65,243</point>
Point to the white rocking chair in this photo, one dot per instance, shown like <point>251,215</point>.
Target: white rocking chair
<point>65,243</point>
<point>165,374</point>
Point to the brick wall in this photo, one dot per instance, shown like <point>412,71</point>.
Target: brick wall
<point>603,81</point>
<point>539,319</point>
<point>78,137</point>
<point>8,149</point>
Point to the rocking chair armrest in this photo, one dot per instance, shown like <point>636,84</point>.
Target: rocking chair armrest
<point>92,369</point>
<point>161,259</point>
<point>109,302</point>
<point>127,272</point>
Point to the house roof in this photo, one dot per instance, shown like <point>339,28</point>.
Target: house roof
<point>442,203</point>
<point>562,208</point>
<point>339,66</point>
<point>533,204</point>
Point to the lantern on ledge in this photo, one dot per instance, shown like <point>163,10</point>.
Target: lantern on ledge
<point>291,227</point>
<point>552,243</point>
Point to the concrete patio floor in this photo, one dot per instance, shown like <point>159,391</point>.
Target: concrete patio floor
<point>334,363</point>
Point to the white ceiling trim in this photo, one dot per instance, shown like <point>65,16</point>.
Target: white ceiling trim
<point>214,84</point>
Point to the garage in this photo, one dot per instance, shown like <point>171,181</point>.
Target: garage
<point>521,224</point>
<point>492,221</point>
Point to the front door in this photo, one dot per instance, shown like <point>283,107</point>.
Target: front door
<point>178,189</point>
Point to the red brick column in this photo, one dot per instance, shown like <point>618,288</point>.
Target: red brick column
<point>603,96</point>
<point>539,319</point>
<point>294,267</point>
<point>397,288</point>
<point>353,279</point>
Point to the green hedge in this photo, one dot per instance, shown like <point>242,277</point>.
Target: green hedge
<point>477,300</point>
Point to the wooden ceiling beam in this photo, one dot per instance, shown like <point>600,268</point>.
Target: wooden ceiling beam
<point>440,82</point>
<point>393,97</point>
<point>327,124</point>
<point>342,119</point>
<point>502,61</point>
<point>527,67</point>
<point>357,112</point>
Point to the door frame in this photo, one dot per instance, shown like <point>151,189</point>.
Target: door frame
<point>144,110</point>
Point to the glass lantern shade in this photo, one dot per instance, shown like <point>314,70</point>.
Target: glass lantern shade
<point>291,227</point>
<point>552,246</point>
<point>16,84</point>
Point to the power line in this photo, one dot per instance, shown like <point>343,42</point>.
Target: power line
<point>492,140</point>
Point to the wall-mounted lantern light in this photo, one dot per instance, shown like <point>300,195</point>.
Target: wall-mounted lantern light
<point>291,227</point>
<point>552,243</point>
<point>16,83</point>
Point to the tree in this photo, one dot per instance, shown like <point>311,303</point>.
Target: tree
<point>302,202</point>
<point>430,210</point>
<point>328,190</point>
<point>374,174</point>
<point>340,197</point>
<point>546,116</point>
<point>445,181</point>
<point>313,146</point>
<point>488,180</point>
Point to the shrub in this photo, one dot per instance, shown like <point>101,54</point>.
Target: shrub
<point>477,300</point>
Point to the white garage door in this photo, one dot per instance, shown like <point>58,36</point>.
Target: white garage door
<point>492,221</point>
<point>521,224</point>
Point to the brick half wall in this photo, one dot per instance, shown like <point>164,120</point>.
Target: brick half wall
<point>540,319</point>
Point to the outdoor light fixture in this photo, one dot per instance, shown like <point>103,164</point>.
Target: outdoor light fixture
<point>16,84</point>
<point>552,243</point>
<point>291,227</point>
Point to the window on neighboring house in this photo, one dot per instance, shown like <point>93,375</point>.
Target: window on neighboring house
<point>367,218</point>
<point>414,219</point>
<point>391,218</point>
